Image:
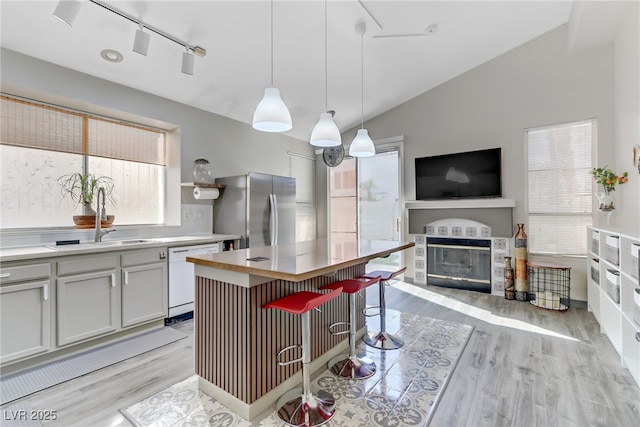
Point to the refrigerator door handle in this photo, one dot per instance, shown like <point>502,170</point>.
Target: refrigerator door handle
<point>272,219</point>
<point>277,224</point>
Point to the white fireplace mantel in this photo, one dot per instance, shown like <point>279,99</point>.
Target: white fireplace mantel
<point>460,204</point>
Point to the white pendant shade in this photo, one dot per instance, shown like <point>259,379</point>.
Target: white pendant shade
<point>67,10</point>
<point>325,133</point>
<point>272,114</point>
<point>362,145</point>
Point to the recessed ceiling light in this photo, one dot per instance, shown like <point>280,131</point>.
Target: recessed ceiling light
<point>111,55</point>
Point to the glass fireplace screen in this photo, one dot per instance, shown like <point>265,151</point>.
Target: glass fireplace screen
<point>459,263</point>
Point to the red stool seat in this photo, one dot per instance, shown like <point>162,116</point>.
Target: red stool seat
<point>352,286</point>
<point>303,301</point>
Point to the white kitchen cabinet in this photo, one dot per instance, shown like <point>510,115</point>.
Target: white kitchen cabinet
<point>87,297</point>
<point>25,310</point>
<point>616,306</point>
<point>144,286</point>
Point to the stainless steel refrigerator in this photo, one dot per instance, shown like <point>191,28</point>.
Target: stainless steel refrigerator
<point>260,208</point>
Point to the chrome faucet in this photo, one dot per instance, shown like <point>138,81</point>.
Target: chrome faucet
<point>101,213</point>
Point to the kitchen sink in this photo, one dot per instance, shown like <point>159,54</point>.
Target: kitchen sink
<point>126,242</point>
<point>93,245</point>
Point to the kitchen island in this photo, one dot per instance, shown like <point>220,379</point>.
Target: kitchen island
<point>236,341</point>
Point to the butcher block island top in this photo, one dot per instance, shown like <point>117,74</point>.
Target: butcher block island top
<point>237,341</point>
<point>299,261</point>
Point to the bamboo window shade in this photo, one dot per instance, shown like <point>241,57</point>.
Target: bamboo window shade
<point>32,125</point>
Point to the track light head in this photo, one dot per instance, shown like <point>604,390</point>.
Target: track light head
<point>67,10</point>
<point>141,41</point>
<point>187,62</point>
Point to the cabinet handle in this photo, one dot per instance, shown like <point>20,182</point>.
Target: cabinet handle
<point>638,336</point>
<point>45,292</point>
<point>126,277</point>
<point>113,280</point>
<point>4,275</point>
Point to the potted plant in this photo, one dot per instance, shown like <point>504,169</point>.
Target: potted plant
<point>608,179</point>
<point>82,188</point>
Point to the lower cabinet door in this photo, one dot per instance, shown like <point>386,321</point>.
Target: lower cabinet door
<point>87,306</point>
<point>144,293</point>
<point>25,320</point>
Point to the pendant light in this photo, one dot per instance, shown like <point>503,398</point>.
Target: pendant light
<point>362,145</point>
<point>272,114</point>
<point>325,133</point>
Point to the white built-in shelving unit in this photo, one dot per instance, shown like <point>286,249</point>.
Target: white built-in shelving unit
<point>613,291</point>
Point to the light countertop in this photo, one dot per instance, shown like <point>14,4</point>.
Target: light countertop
<point>299,261</point>
<point>49,251</point>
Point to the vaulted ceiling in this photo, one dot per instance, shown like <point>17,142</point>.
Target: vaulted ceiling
<point>231,78</point>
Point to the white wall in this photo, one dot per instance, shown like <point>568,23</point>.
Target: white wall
<point>627,118</point>
<point>536,84</point>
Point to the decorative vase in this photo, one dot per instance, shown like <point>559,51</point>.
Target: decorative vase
<point>521,284</point>
<point>509,287</point>
<point>87,209</point>
<point>605,204</point>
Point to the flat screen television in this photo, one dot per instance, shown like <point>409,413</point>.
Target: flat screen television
<point>468,175</point>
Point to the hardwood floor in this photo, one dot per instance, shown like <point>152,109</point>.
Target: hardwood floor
<point>523,366</point>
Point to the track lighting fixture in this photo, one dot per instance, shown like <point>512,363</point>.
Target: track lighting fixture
<point>67,10</point>
<point>187,62</point>
<point>272,115</point>
<point>325,133</point>
<point>141,41</point>
<point>362,145</point>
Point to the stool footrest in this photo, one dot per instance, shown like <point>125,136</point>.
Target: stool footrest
<point>289,362</point>
<point>376,307</point>
<point>334,325</point>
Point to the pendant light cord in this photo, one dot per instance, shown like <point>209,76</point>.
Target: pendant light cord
<point>271,43</point>
<point>362,78</point>
<point>326,72</point>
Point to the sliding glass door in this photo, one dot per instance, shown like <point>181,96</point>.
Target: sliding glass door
<point>365,204</point>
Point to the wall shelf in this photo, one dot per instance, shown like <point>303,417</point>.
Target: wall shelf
<point>191,184</point>
<point>460,203</point>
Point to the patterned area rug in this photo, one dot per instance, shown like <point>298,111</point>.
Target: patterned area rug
<point>404,391</point>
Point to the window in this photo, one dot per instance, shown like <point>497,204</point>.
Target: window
<point>41,143</point>
<point>559,180</point>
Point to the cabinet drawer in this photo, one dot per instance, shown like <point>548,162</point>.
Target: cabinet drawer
<point>87,264</point>
<point>613,285</point>
<point>612,250</point>
<point>595,242</point>
<point>143,256</point>
<point>595,271</point>
<point>21,273</point>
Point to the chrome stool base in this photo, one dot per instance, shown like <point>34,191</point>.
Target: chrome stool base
<point>308,410</point>
<point>383,340</point>
<point>352,367</point>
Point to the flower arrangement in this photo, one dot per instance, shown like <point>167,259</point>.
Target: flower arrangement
<point>608,178</point>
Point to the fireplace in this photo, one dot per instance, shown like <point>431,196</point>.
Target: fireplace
<point>459,263</point>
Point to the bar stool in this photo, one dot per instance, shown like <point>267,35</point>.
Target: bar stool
<point>307,409</point>
<point>382,339</point>
<point>352,366</point>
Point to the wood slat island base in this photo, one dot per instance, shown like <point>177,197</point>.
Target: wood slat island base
<point>236,340</point>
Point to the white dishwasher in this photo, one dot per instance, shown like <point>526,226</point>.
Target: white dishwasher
<point>182,276</point>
